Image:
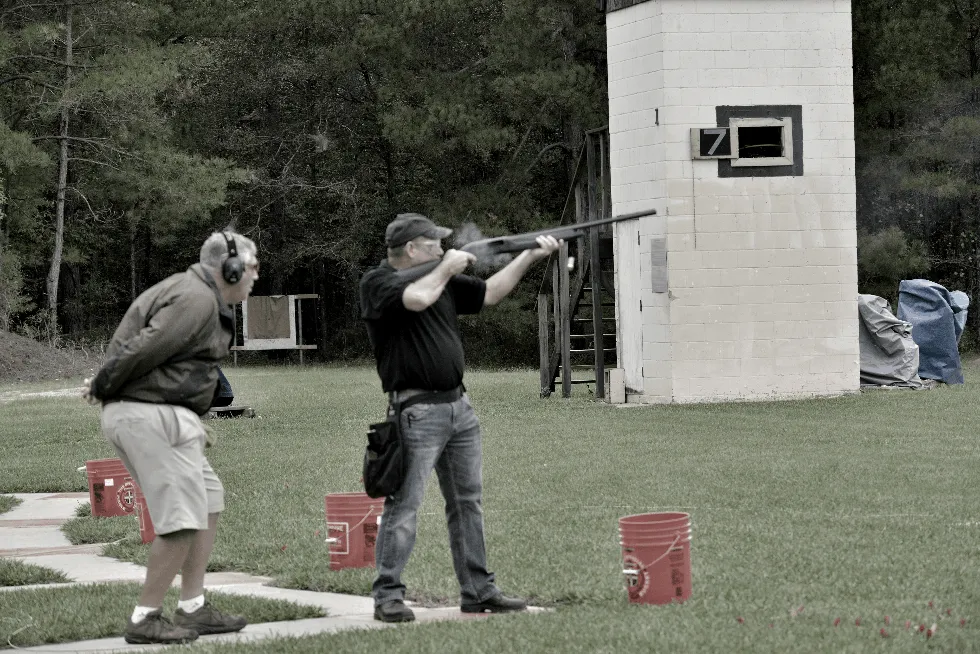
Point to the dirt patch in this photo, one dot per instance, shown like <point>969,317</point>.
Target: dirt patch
<point>26,360</point>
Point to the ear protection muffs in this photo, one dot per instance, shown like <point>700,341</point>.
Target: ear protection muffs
<point>232,268</point>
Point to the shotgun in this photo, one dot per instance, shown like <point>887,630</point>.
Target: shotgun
<point>497,245</point>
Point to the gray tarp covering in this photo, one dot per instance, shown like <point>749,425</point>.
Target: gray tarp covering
<point>889,356</point>
<point>931,310</point>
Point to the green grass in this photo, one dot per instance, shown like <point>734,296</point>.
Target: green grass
<point>36,617</point>
<point>84,529</point>
<point>18,573</point>
<point>7,502</point>
<point>863,505</point>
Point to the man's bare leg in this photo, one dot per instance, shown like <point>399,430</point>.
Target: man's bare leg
<point>168,555</point>
<point>196,563</point>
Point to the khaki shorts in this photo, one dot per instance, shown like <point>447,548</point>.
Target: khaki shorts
<point>162,446</point>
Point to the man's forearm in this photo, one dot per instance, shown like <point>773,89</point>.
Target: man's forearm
<point>422,293</point>
<point>504,281</point>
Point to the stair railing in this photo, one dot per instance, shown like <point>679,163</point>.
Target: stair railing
<point>588,199</point>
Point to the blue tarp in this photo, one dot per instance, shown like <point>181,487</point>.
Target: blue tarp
<point>932,312</point>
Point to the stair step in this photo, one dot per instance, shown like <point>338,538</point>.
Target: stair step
<point>590,319</point>
<point>584,335</point>
<point>592,350</point>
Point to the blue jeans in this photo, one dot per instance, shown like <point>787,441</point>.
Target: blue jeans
<point>445,437</point>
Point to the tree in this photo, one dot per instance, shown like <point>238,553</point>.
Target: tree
<point>348,113</point>
<point>93,78</point>
<point>917,113</point>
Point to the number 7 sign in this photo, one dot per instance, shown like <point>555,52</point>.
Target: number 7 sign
<point>711,143</point>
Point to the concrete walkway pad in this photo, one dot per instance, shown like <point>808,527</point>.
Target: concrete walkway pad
<point>29,534</point>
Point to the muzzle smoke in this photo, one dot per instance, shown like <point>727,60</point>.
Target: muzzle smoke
<point>485,261</point>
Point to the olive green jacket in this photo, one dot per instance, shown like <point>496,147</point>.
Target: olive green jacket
<point>167,347</point>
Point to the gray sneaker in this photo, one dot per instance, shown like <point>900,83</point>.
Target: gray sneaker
<point>156,629</point>
<point>209,620</point>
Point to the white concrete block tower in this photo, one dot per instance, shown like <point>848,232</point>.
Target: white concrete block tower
<point>744,284</point>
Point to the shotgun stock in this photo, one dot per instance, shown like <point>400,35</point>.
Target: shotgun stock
<point>490,247</point>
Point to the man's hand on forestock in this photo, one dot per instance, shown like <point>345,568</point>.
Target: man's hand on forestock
<point>546,245</point>
<point>87,391</point>
<point>456,261</point>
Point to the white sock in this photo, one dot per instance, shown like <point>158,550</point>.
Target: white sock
<point>191,605</point>
<point>140,613</point>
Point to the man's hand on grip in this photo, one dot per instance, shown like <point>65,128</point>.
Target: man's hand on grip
<point>456,261</point>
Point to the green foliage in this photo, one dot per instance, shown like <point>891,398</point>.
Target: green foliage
<point>918,136</point>
<point>8,502</point>
<point>84,530</point>
<point>121,140</point>
<point>18,573</point>
<point>887,257</point>
<point>13,300</point>
<point>18,152</point>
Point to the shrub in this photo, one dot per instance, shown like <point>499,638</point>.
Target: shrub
<point>887,257</point>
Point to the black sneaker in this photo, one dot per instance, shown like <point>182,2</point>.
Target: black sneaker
<point>156,629</point>
<point>499,603</point>
<point>393,611</point>
<point>209,620</point>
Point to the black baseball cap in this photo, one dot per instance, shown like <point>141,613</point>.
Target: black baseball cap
<point>407,226</point>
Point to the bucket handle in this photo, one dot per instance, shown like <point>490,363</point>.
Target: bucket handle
<point>333,541</point>
<point>629,572</point>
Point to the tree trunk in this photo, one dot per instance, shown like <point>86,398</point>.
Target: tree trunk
<point>132,259</point>
<point>54,272</point>
<point>573,131</point>
<point>4,209</point>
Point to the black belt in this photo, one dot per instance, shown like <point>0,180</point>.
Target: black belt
<point>412,396</point>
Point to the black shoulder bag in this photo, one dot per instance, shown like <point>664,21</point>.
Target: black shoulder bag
<point>383,458</point>
<point>384,467</point>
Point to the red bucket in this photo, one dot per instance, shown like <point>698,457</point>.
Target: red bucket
<point>659,521</point>
<point>147,534</point>
<point>352,529</point>
<point>111,491</point>
<point>656,557</point>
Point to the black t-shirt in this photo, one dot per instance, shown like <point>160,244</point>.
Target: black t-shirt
<point>417,349</point>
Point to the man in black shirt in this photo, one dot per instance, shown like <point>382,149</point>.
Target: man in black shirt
<point>412,324</point>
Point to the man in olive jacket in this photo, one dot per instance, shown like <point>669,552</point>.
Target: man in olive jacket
<point>159,376</point>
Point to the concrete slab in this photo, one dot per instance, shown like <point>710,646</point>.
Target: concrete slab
<point>43,522</point>
<point>47,546</point>
<point>215,580</point>
<point>89,567</point>
<point>49,551</point>
<point>334,604</point>
<point>263,631</point>
<point>16,538</point>
<point>84,564</point>
<point>40,506</point>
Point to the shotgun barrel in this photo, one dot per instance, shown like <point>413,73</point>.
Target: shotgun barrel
<point>495,245</point>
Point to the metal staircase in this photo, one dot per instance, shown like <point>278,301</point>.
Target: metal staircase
<point>576,311</point>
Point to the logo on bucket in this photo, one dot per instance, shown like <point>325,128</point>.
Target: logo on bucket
<point>338,537</point>
<point>126,496</point>
<point>637,579</point>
